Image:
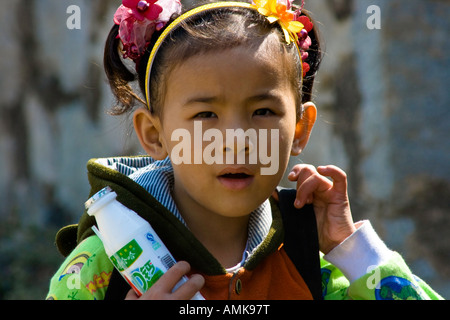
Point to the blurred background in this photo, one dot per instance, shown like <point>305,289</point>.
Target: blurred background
<point>384,116</point>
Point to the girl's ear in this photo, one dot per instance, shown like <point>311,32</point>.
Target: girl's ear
<point>303,128</point>
<point>148,131</point>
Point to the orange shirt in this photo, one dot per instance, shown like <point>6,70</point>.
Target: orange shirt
<point>275,278</point>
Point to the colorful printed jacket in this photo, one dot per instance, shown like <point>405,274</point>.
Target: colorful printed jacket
<point>361,267</point>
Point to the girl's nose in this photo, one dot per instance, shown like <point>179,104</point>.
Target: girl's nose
<point>239,144</point>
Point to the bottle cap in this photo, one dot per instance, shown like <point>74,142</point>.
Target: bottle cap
<point>95,199</point>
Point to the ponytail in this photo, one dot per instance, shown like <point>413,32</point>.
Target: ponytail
<point>119,76</point>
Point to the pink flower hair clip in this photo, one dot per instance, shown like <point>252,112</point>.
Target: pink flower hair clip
<point>139,19</point>
<point>304,40</point>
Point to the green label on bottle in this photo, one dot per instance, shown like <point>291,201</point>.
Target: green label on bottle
<point>126,256</point>
<point>144,277</point>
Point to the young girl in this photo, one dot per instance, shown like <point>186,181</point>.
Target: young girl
<point>226,100</point>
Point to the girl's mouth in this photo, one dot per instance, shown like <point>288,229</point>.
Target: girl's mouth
<point>236,180</point>
<point>236,176</point>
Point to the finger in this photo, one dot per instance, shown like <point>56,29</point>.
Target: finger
<point>166,284</point>
<point>302,173</point>
<point>131,295</point>
<point>338,175</point>
<point>299,168</point>
<point>174,274</point>
<point>188,289</point>
<point>314,183</point>
<point>292,176</point>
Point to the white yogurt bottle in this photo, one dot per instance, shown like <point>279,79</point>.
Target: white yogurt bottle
<point>130,242</point>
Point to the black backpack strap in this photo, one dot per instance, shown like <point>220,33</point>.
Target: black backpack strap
<point>301,240</point>
<point>118,288</point>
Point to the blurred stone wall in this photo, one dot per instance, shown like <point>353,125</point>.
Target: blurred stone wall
<point>383,117</point>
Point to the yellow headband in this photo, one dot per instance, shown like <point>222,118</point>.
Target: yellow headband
<point>193,12</point>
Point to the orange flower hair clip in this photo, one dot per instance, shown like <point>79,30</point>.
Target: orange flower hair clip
<point>279,12</point>
<point>295,26</point>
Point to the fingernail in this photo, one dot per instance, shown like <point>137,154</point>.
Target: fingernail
<point>198,278</point>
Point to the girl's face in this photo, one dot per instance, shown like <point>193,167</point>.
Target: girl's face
<point>239,88</point>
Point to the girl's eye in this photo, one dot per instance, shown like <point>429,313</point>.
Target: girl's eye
<point>205,115</point>
<point>263,112</point>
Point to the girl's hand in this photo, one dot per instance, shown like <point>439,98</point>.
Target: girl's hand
<point>330,200</point>
<point>162,289</point>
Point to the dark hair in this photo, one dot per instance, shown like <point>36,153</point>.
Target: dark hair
<point>208,31</point>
